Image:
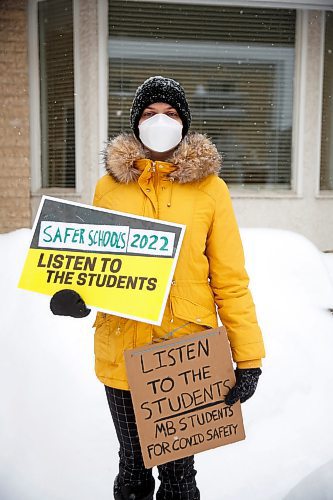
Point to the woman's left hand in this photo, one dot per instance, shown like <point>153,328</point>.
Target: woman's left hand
<point>67,302</point>
<point>246,384</point>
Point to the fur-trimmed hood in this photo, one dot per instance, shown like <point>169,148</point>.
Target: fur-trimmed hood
<point>195,158</point>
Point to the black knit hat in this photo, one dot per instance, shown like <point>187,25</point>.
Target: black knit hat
<point>160,89</point>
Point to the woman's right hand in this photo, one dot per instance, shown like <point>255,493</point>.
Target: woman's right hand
<point>68,303</point>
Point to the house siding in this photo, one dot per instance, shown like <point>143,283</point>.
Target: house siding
<point>14,117</point>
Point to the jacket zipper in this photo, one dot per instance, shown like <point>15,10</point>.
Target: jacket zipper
<point>155,183</point>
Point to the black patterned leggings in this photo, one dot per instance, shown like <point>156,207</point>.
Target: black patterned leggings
<point>177,477</point>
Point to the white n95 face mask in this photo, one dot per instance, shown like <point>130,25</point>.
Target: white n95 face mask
<point>160,133</point>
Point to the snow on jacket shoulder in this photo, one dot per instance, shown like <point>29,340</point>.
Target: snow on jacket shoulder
<point>210,275</point>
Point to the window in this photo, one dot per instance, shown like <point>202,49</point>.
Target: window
<point>56,65</point>
<point>236,65</point>
<point>326,170</point>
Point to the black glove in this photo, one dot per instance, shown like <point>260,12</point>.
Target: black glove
<point>246,384</point>
<point>68,303</point>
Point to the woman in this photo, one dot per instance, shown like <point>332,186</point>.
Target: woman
<point>162,171</point>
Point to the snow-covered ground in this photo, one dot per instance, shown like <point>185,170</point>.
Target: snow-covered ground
<point>56,437</point>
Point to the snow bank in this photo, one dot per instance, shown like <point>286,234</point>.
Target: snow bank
<point>57,439</point>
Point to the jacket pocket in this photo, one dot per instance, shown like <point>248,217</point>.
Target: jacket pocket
<point>109,338</point>
<point>188,310</point>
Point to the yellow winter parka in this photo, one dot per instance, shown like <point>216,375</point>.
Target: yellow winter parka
<point>210,277</point>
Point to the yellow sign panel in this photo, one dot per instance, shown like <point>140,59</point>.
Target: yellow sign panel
<point>118,263</point>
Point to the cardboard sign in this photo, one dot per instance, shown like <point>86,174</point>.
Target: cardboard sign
<point>178,389</point>
<point>119,263</point>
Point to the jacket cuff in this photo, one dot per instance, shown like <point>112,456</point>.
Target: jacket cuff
<point>254,363</point>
